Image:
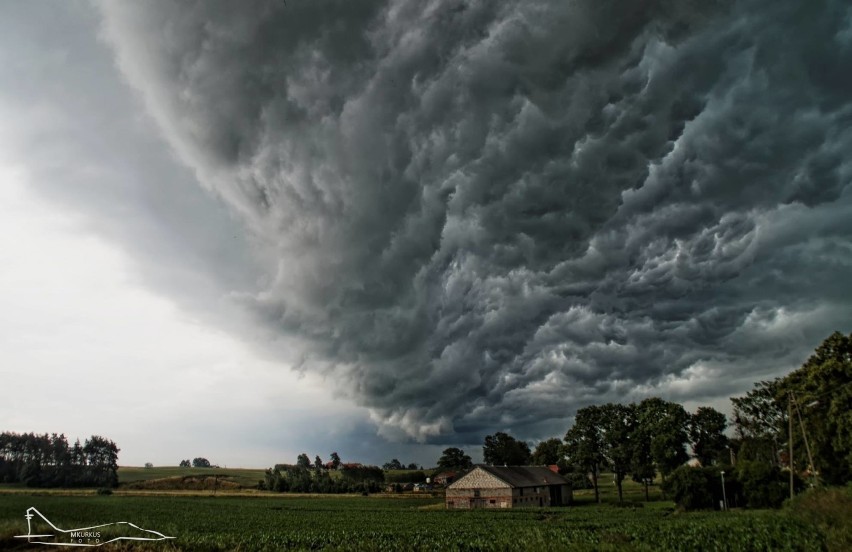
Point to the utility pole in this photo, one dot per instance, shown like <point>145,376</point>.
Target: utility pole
<point>805,437</point>
<point>790,438</point>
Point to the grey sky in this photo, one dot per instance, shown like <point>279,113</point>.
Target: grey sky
<point>450,217</point>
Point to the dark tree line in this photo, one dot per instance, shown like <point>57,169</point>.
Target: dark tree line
<point>814,403</point>
<point>809,410</point>
<point>395,464</point>
<point>49,461</point>
<point>300,479</point>
<point>305,477</point>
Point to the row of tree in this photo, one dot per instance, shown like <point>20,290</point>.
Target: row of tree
<point>395,464</point>
<point>636,440</point>
<point>197,463</point>
<point>49,461</point>
<point>809,411</point>
<point>312,479</point>
<point>303,461</point>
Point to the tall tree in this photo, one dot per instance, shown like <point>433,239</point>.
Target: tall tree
<point>501,449</point>
<point>667,423</point>
<point>642,469</point>
<point>102,460</point>
<point>547,452</point>
<point>318,465</point>
<point>707,435</point>
<point>760,422</point>
<point>584,443</point>
<point>335,460</point>
<point>454,458</point>
<point>820,394</point>
<point>200,463</point>
<point>618,423</point>
<point>303,461</point>
<point>394,464</point>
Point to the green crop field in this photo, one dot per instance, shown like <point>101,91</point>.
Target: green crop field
<point>279,522</point>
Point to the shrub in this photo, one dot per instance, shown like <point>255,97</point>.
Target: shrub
<point>691,488</point>
<point>104,491</point>
<point>829,510</point>
<point>764,486</point>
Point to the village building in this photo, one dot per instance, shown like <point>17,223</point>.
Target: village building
<point>509,487</point>
<point>445,478</point>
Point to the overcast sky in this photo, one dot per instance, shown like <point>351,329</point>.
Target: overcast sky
<point>249,230</point>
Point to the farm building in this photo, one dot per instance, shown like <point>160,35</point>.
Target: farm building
<point>509,487</point>
<point>445,478</point>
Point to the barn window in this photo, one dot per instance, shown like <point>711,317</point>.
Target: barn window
<point>522,491</point>
<point>476,493</point>
<point>449,503</point>
<point>492,502</point>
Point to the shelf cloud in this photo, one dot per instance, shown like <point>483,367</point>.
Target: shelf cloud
<point>476,215</point>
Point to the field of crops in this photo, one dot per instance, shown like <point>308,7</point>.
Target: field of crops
<point>369,523</point>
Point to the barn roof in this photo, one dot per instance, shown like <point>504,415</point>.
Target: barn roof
<point>525,476</point>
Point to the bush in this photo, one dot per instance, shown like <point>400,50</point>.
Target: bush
<point>692,488</point>
<point>830,511</point>
<point>104,491</point>
<point>406,477</point>
<point>764,486</point>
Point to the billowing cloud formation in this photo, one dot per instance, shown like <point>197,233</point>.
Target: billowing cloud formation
<point>481,215</point>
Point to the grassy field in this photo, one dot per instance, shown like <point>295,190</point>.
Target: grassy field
<point>369,523</point>
<point>174,478</point>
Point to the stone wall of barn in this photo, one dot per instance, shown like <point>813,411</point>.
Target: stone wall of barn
<point>479,489</point>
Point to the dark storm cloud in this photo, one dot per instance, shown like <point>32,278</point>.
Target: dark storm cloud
<point>483,215</point>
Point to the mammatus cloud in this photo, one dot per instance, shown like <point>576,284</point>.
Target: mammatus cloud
<point>480,215</point>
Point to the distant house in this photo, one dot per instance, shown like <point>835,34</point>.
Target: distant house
<point>509,487</point>
<point>445,478</point>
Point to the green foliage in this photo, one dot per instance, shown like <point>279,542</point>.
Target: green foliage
<point>764,486</point>
<point>298,479</point>
<point>706,433</point>
<point>760,423</point>
<point>200,463</point>
<point>502,449</point>
<point>335,461</point>
<point>394,464</point>
<point>405,476</point>
<point>454,458</point>
<point>303,461</point>
<point>750,484</point>
<point>693,488</point>
<point>667,424</point>
<point>822,397</point>
<point>391,524</point>
<point>547,452</point>
<point>584,443</point>
<point>829,510</point>
<point>48,461</point>
<point>618,423</point>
